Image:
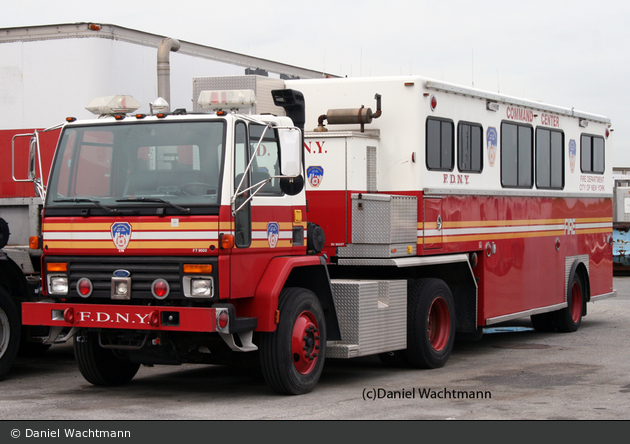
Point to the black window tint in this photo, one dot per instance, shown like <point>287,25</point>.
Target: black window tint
<point>549,158</point>
<point>592,154</point>
<point>469,148</point>
<point>516,155</point>
<point>557,159</point>
<point>439,144</point>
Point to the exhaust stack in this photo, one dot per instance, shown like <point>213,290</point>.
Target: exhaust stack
<point>163,68</point>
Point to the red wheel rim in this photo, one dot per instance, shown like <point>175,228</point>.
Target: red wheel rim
<point>576,302</point>
<point>305,342</point>
<point>439,324</point>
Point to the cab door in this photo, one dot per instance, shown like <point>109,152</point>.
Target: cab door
<point>263,227</point>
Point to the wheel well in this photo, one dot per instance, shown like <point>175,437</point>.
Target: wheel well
<point>457,275</point>
<point>580,269</point>
<point>12,278</point>
<point>316,279</point>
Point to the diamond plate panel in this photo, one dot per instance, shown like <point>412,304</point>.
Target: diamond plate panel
<point>384,219</point>
<point>372,316</point>
<point>261,86</point>
<point>377,250</point>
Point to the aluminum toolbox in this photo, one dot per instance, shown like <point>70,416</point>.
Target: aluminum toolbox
<point>384,219</point>
<point>383,225</point>
<point>372,316</point>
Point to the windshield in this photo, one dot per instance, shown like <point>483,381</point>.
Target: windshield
<point>177,162</point>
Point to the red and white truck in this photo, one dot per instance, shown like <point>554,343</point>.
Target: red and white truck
<point>47,73</point>
<point>319,228</point>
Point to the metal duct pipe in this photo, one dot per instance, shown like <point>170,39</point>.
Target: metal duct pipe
<point>163,67</point>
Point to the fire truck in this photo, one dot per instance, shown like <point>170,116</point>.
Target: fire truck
<point>311,227</point>
<point>20,210</point>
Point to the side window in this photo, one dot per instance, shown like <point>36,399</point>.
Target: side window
<point>516,155</point>
<point>439,144</point>
<point>549,158</point>
<point>469,147</point>
<point>592,154</point>
<point>242,220</point>
<point>267,162</point>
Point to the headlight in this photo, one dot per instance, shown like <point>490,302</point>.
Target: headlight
<point>58,285</point>
<point>201,287</point>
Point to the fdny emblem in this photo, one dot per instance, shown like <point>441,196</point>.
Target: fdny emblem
<point>273,233</point>
<point>572,153</point>
<point>315,175</point>
<point>121,234</point>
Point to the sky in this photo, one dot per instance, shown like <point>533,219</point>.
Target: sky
<point>573,54</point>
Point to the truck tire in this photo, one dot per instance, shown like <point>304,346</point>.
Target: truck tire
<point>569,319</point>
<point>430,324</point>
<point>292,357</point>
<point>101,366</point>
<point>543,323</point>
<point>9,331</point>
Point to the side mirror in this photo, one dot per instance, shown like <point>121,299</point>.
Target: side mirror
<point>32,159</point>
<point>291,152</point>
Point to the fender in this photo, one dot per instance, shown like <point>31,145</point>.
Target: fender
<point>265,301</point>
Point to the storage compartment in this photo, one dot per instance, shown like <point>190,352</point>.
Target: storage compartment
<point>372,316</point>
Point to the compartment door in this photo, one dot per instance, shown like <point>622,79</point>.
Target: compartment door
<point>432,223</point>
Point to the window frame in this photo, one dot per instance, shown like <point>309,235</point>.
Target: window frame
<point>442,121</point>
<point>518,152</point>
<point>537,157</point>
<point>481,147</point>
<point>592,148</point>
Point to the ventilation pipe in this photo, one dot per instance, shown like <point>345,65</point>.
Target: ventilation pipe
<point>163,67</point>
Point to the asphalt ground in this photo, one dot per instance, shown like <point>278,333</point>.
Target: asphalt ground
<point>513,374</point>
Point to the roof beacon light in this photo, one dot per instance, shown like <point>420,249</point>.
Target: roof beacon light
<point>110,105</point>
<point>227,99</point>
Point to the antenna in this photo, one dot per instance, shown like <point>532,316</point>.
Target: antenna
<point>498,89</point>
<point>472,67</point>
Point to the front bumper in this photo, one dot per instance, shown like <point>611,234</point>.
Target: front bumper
<point>128,317</point>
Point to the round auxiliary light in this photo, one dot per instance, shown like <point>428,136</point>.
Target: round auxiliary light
<point>84,287</point>
<point>160,288</point>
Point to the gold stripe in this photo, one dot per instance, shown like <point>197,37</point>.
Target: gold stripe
<point>265,244</point>
<point>263,225</point>
<point>512,223</point>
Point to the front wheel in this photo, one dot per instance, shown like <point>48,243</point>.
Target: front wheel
<point>9,331</point>
<point>430,323</point>
<point>101,366</point>
<point>292,357</point>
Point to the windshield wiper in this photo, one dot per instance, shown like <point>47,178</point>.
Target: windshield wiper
<point>92,201</point>
<point>155,199</point>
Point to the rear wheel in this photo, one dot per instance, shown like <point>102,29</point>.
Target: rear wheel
<point>430,324</point>
<point>292,357</point>
<point>569,319</point>
<point>9,331</point>
<point>101,366</point>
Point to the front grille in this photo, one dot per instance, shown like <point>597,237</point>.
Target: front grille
<point>143,271</point>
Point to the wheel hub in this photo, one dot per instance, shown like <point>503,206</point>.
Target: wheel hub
<point>439,324</point>
<point>305,342</point>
